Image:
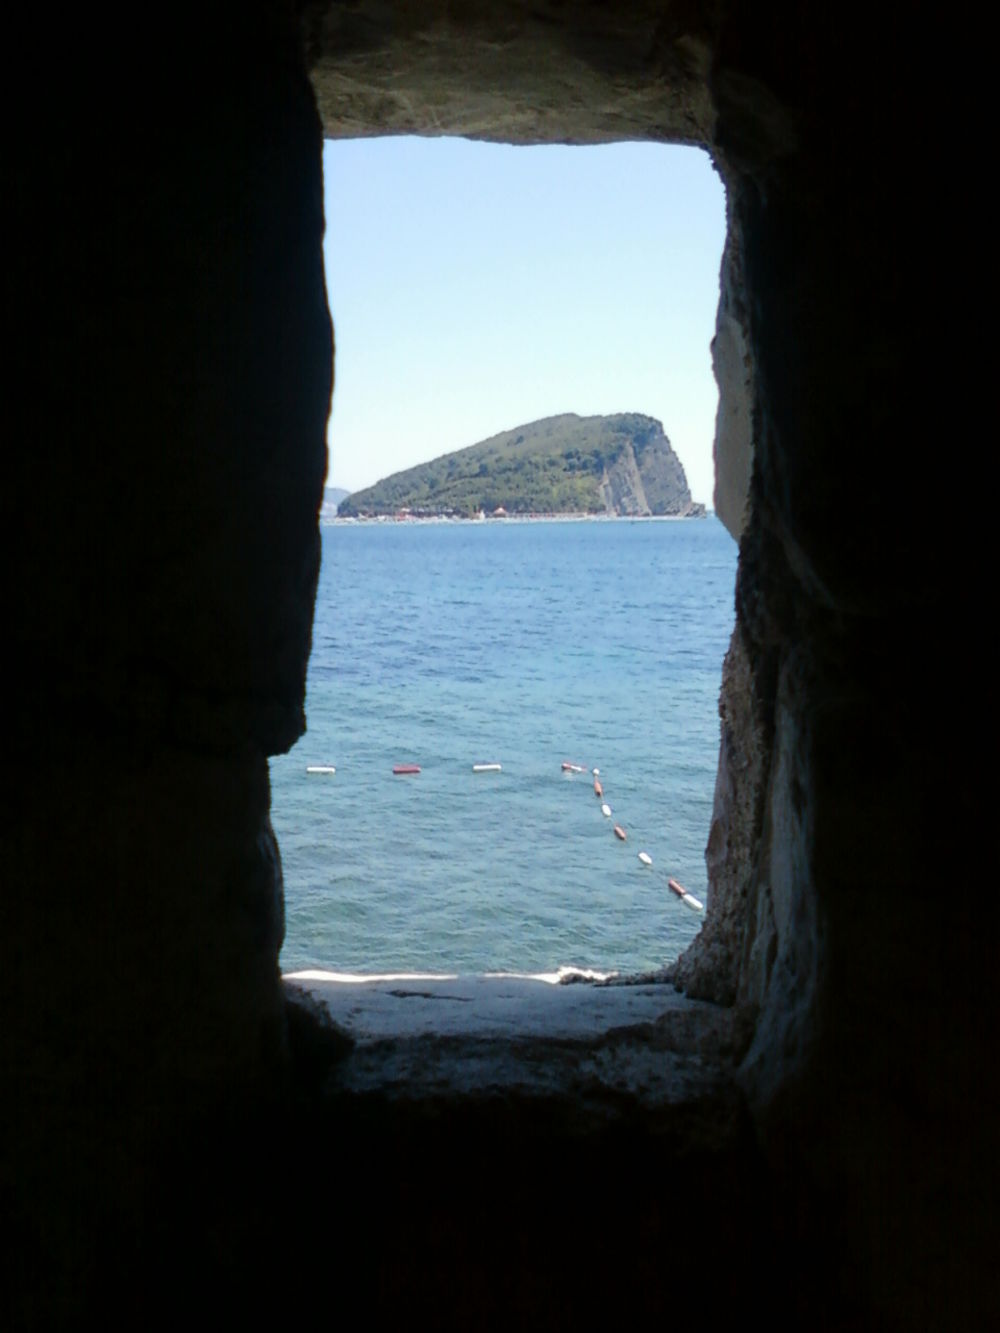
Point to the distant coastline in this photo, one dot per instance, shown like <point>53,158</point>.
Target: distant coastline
<point>698,511</point>
<point>565,466</point>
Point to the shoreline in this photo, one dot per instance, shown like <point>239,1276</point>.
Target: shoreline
<point>516,518</point>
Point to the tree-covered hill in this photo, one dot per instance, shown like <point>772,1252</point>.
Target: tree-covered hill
<point>620,464</point>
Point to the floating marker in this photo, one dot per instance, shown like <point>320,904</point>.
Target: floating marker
<point>688,899</point>
<point>320,768</point>
<point>486,768</point>
<point>620,832</point>
<point>598,789</point>
<point>567,767</point>
<point>401,769</point>
<point>645,858</point>
<point>595,771</point>
<point>606,810</point>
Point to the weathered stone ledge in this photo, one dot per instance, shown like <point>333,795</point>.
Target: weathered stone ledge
<point>610,1050</point>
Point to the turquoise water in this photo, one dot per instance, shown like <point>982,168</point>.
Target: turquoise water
<point>523,644</point>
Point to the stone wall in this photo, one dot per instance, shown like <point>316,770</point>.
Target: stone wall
<point>168,369</point>
<point>168,372</point>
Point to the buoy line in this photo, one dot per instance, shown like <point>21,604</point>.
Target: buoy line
<point>678,889</point>
<point>688,899</point>
<point>405,770</point>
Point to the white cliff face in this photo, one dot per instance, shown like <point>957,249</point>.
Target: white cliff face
<point>621,486</point>
<point>647,479</point>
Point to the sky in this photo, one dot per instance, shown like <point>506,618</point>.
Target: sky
<point>476,287</point>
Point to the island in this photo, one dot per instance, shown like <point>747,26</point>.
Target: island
<point>333,497</point>
<point>620,465</point>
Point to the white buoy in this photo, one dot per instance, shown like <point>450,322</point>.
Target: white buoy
<point>486,768</point>
<point>596,772</point>
<point>606,810</point>
<point>320,768</point>
<point>688,899</point>
<point>645,858</point>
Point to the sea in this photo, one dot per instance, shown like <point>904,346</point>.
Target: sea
<point>524,644</point>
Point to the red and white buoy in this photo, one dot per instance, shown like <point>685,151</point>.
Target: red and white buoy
<point>688,899</point>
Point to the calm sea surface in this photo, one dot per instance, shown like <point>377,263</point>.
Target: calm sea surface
<point>523,644</point>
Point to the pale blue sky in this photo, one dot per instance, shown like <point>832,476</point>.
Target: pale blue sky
<point>475,287</point>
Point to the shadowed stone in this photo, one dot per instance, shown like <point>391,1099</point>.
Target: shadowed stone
<point>168,378</point>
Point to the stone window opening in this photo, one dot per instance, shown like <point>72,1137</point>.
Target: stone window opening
<point>651,972</point>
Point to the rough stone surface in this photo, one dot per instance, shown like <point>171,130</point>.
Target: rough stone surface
<point>733,367</point>
<point>518,72</point>
<point>713,968</point>
<point>594,1047</point>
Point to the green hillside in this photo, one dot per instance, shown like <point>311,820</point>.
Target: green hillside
<point>620,464</point>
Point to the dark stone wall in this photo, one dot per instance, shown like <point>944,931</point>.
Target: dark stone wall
<point>167,383</point>
<point>167,372</point>
<point>860,601</point>
<point>170,376</point>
